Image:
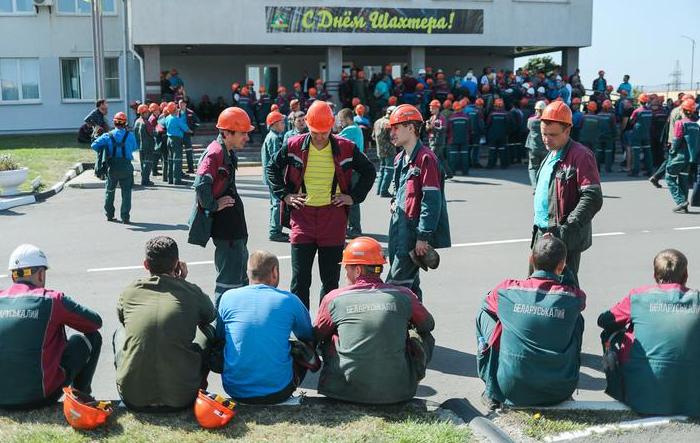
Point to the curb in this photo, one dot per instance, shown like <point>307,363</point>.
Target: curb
<point>22,200</point>
<point>476,421</point>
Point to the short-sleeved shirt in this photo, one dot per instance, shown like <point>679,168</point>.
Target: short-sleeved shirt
<point>541,200</point>
<point>318,177</point>
<point>160,365</point>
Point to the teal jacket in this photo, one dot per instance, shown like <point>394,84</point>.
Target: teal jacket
<point>272,144</point>
<point>354,134</point>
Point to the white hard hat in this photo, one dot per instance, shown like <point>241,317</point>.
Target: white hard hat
<point>531,91</point>
<point>390,109</point>
<point>540,105</point>
<point>27,256</point>
<point>421,71</point>
<point>540,89</point>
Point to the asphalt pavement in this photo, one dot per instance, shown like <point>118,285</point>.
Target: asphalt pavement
<point>490,218</point>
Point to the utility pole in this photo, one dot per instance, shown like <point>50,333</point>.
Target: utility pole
<point>98,49</point>
<point>676,77</point>
<point>692,60</point>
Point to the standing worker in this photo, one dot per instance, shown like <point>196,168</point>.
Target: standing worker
<point>668,134</point>
<point>272,144</point>
<point>565,204</point>
<point>607,128</point>
<point>590,133</point>
<point>419,220</point>
<point>176,127</point>
<point>640,140</point>
<point>218,212</point>
<point>436,127</point>
<point>146,142</point>
<point>381,133</point>
<point>534,144</point>
<point>162,135</point>
<point>119,146</point>
<point>497,130</point>
<point>192,124</point>
<point>312,176</point>
<point>352,131</point>
<point>154,111</point>
<point>298,125</point>
<point>458,129</point>
<point>683,151</point>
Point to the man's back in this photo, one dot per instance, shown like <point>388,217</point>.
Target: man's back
<point>160,366</point>
<point>364,329</point>
<point>256,322</point>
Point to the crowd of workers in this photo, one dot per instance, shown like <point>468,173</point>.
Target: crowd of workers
<point>373,337</point>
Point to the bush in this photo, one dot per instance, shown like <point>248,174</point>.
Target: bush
<point>7,163</point>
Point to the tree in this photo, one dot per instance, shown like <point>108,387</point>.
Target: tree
<point>542,63</point>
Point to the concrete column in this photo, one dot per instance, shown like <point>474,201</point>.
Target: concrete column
<point>416,58</point>
<point>569,60</point>
<point>151,62</point>
<point>334,69</point>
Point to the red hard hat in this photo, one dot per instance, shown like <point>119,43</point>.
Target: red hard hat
<point>392,100</point>
<point>273,117</point>
<point>319,117</point>
<point>84,412</point>
<point>171,108</point>
<point>235,120</point>
<point>141,109</point>
<point>435,104</point>
<point>360,110</point>
<point>557,111</point>
<point>119,118</point>
<point>213,411</point>
<point>405,113</point>
<point>274,107</point>
<point>643,98</point>
<point>364,250</point>
<point>688,105</point>
<point>457,106</point>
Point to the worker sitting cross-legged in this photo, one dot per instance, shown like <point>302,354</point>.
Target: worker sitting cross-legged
<point>529,334</point>
<point>650,339</point>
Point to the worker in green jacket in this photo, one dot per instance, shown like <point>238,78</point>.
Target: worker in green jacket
<point>144,133</point>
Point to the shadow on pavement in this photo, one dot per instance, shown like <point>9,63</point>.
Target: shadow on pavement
<point>150,227</point>
<point>451,361</point>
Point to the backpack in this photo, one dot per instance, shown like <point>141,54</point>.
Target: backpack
<point>103,160</point>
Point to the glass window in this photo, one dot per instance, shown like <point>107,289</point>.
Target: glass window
<point>29,71</point>
<point>67,6</point>
<point>9,79</point>
<point>84,7</point>
<point>6,6</point>
<point>70,77</point>
<point>108,6</point>
<point>111,78</point>
<point>24,6</point>
<point>87,78</point>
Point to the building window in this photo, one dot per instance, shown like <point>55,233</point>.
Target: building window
<point>78,78</point>
<point>16,7</point>
<point>264,75</point>
<point>84,7</point>
<point>19,79</point>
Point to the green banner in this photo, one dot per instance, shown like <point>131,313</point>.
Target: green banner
<point>374,20</point>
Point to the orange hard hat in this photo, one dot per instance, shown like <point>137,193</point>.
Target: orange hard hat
<point>592,106</point>
<point>392,100</point>
<point>643,98</point>
<point>688,105</point>
<point>213,411</point>
<point>141,109</point>
<point>576,101</point>
<point>294,103</point>
<point>171,108</point>
<point>364,250</point>
<point>420,86</point>
<point>557,112</point>
<point>84,412</point>
<point>235,120</point>
<point>355,101</point>
<point>456,106</point>
<point>498,103</point>
<point>274,107</point>
<point>235,86</point>
<point>319,117</point>
<point>447,104</point>
<point>405,113</point>
<point>360,109</point>
<point>435,104</point>
<point>607,104</point>
<point>262,89</point>
<point>153,107</point>
<point>120,118</point>
<point>273,117</point>
<point>479,102</point>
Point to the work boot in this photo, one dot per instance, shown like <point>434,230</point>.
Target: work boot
<point>489,403</point>
<point>681,209</point>
<point>112,219</point>
<point>655,181</point>
<point>279,237</point>
<point>126,221</point>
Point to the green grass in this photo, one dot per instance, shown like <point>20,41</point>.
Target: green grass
<point>309,423</point>
<point>539,425</point>
<point>46,155</point>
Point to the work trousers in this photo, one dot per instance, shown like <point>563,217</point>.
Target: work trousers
<point>174,160</point>
<point>231,263</point>
<point>303,255</point>
<point>385,176</point>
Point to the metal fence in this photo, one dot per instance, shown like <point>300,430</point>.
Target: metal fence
<point>669,88</point>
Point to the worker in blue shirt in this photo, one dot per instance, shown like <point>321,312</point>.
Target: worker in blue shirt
<point>117,148</point>
<point>352,132</point>
<point>255,322</point>
<point>176,127</point>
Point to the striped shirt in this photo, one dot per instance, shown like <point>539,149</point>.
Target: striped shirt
<point>318,176</point>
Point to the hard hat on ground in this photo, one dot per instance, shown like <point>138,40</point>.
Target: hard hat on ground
<point>213,411</point>
<point>119,118</point>
<point>405,113</point>
<point>364,250</point>
<point>84,412</point>
<point>273,117</point>
<point>27,256</point>
<point>235,120</point>
<point>557,111</point>
<point>319,117</point>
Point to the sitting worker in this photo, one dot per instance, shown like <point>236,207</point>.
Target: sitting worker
<point>255,322</point>
<point>162,352</point>
<point>650,339</point>
<point>374,337</point>
<point>37,359</point>
<point>529,334</point>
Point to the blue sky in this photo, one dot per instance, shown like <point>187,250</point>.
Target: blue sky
<point>641,38</point>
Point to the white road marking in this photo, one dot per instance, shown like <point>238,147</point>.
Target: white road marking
<point>616,427</point>
<point>194,263</point>
<point>4,276</point>
<point>608,234</point>
<point>521,240</point>
<point>687,228</point>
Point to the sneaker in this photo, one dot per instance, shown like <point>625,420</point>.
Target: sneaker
<point>280,237</point>
<point>681,209</point>
<point>655,181</point>
<point>489,403</point>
